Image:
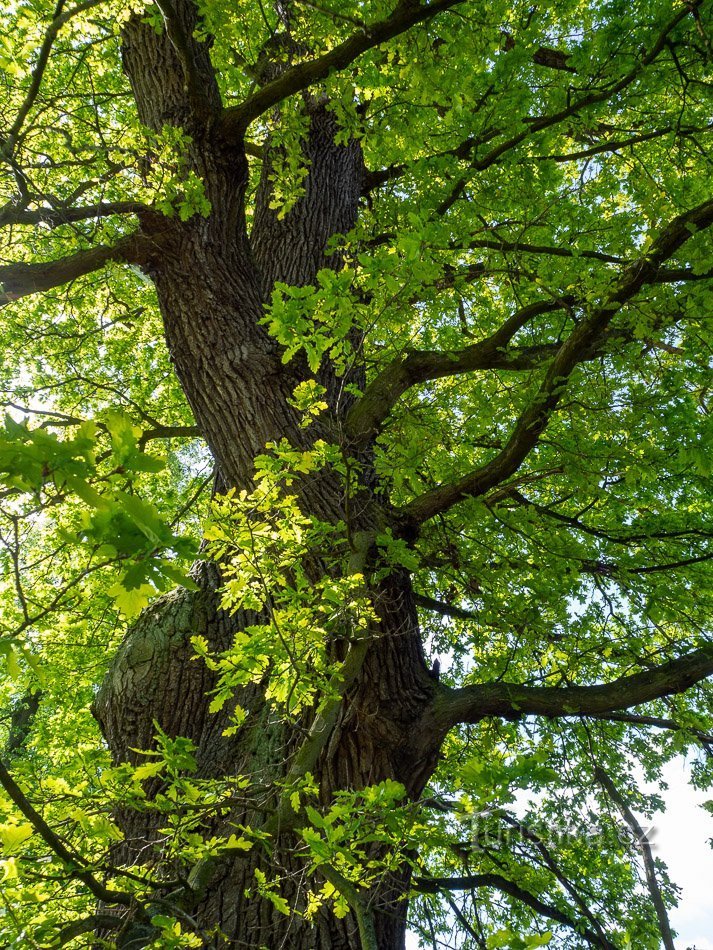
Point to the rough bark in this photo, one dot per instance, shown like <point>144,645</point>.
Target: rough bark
<point>212,282</point>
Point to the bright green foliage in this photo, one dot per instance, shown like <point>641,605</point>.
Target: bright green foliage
<point>589,563</point>
<point>270,552</point>
<point>317,320</point>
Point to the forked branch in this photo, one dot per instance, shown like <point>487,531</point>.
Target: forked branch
<point>406,14</point>
<point>573,351</point>
<point>381,395</point>
<point>470,882</point>
<point>467,148</point>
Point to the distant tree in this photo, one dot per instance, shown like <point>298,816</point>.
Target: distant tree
<point>356,353</point>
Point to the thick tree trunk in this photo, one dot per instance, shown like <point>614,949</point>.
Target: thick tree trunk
<point>379,734</point>
<point>212,281</point>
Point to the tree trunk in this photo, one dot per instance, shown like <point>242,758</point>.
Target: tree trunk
<point>212,281</point>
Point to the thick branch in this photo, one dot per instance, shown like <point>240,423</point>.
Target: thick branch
<point>23,715</point>
<point>445,610</point>
<point>299,77</point>
<point>180,34</point>
<point>21,280</point>
<point>86,925</point>
<point>583,338</point>
<point>470,704</point>
<point>381,395</point>
<point>56,216</point>
<point>169,432</point>
<point>371,410</point>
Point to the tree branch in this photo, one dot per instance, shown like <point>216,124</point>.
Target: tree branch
<point>538,124</point>
<point>58,215</point>
<point>616,145</point>
<point>623,539</point>
<point>470,704</point>
<point>87,925</point>
<point>75,864</point>
<point>531,836</point>
<point>406,14</point>
<point>435,885</point>
<point>58,21</point>
<point>446,610</point>
<point>21,719</point>
<point>654,890</point>
<point>168,432</point>
<point>370,411</point>
<point>580,342</point>
<point>183,41</point>
<point>464,150</point>
<point>499,244</point>
<point>21,280</point>
<point>658,723</point>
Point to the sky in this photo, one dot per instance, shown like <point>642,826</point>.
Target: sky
<point>682,840</point>
<point>680,836</point>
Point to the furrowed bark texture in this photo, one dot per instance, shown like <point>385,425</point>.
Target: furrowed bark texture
<point>212,281</point>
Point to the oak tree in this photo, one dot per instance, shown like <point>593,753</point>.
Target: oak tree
<point>355,470</point>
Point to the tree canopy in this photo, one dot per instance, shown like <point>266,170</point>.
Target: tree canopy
<point>356,469</point>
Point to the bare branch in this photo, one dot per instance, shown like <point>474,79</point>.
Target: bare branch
<point>580,342</point>
<point>406,14</point>
<point>478,701</point>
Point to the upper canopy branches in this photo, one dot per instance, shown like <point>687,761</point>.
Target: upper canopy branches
<point>302,76</point>
<point>206,50</point>
<point>586,334</point>
<point>22,280</point>
<point>481,365</point>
